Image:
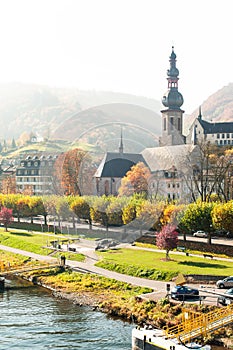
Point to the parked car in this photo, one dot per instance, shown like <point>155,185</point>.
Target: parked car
<point>184,293</point>
<point>106,244</point>
<point>225,283</point>
<point>200,234</point>
<point>221,233</point>
<point>227,298</point>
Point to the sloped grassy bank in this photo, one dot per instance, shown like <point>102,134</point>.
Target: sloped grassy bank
<point>116,299</point>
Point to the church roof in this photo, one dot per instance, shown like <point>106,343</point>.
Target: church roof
<point>164,158</point>
<point>214,128</point>
<point>116,164</point>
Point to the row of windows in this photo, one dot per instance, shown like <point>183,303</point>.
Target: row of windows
<point>224,142</point>
<point>28,179</point>
<point>27,172</point>
<point>170,175</point>
<point>29,164</point>
<point>223,136</point>
<point>33,172</point>
<point>36,164</point>
<point>34,179</point>
<point>173,185</point>
<point>173,196</point>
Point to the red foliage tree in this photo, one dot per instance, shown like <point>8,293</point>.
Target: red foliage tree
<point>67,167</point>
<point>6,216</point>
<point>167,239</point>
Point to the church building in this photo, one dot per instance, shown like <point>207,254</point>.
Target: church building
<point>173,163</point>
<point>112,169</point>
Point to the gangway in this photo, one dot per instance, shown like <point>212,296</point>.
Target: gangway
<point>196,324</point>
<point>13,271</point>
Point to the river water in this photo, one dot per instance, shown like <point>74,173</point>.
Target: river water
<point>31,318</point>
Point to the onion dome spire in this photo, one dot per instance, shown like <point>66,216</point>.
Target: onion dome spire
<point>172,98</point>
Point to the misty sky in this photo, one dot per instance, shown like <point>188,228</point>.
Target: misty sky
<point>118,45</point>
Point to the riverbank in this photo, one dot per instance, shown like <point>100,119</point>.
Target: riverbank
<point>113,297</point>
<point>120,300</point>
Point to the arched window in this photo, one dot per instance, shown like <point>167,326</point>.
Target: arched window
<point>106,187</point>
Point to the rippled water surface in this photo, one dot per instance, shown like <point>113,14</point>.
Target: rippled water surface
<point>31,318</point>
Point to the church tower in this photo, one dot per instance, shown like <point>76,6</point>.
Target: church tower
<point>172,116</point>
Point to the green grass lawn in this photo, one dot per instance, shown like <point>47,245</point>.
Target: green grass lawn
<point>33,242</point>
<point>146,260</point>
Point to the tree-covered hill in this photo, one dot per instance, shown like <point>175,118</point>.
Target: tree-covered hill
<point>94,117</point>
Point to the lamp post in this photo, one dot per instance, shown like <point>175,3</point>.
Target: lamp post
<point>210,234</point>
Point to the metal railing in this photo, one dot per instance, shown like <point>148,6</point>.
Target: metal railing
<point>195,324</point>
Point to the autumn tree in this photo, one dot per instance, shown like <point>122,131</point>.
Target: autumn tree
<point>135,180</point>
<point>198,216</point>
<point>10,201</point>
<point>6,217</point>
<point>129,212</point>
<point>167,239</point>
<point>36,207</point>
<point>23,206</point>
<point>66,175</point>
<point>148,214</point>
<point>171,213</point>
<point>222,215</point>
<point>115,210</point>
<point>8,185</point>
<point>99,210</point>
<point>81,208</point>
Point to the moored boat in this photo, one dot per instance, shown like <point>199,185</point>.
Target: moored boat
<point>148,338</point>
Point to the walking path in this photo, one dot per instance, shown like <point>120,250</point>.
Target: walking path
<point>88,266</point>
<point>87,247</point>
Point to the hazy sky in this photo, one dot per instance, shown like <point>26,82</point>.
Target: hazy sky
<point>118,45</point>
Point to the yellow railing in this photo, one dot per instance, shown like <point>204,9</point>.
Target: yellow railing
<point>194,324</point>
<point>6,270</point>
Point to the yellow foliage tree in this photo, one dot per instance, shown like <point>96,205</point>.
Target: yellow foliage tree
<point>135,180</point>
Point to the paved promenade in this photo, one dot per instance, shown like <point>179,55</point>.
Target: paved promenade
<point>88,266</point>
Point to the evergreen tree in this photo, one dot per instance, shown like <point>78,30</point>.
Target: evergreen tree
<point>13,144</point>
<point>4,145</point>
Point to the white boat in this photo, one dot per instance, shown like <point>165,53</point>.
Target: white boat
<point>148,338</point>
